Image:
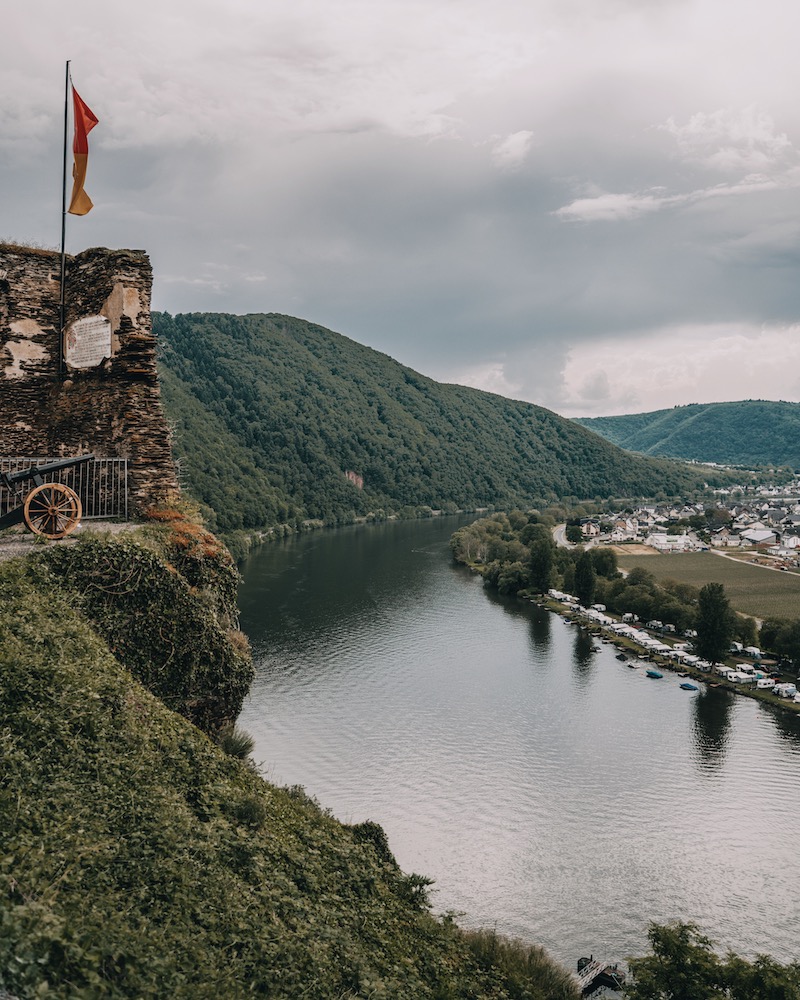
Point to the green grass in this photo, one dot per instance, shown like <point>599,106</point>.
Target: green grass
<point>753,590</point>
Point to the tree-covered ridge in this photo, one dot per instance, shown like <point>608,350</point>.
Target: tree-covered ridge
<point>750,432</point>
<point>272,413</point>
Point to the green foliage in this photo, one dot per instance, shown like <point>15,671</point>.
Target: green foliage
<point>746,632</point>
<point>781,636</point>
<point>604,561</point>
<point>513,577</point>
<point>236,742</point>
<point>277,420</point>
<point>639,577</point>
<point>715,623</point>
<point>683,966</point>
<point>750,432</point>
<point>764,979</point>
<point>137,859</point>
<point>174,630</point>
<point>512,560</point>
<point>585,579</point>
<point>541,563</point>
<point>530,973</point>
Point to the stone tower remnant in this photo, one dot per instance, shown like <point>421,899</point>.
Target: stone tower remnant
<point>107,398</point>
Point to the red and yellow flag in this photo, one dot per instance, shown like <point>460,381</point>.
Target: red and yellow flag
<point>85,121</point>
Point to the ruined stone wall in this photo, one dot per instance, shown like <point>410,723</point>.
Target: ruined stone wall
<point>105,399</point>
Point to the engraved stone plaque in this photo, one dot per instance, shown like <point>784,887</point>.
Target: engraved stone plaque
<point>88,342</point>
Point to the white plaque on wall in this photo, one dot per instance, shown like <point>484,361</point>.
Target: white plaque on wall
<point>88,342</point>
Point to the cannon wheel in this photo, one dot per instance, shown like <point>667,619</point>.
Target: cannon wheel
<point>52,510</point>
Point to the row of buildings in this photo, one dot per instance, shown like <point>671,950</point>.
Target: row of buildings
<point>766,523</point>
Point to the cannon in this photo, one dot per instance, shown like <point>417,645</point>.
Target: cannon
<point>49,508</point>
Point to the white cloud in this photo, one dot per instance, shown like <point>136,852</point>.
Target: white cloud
<point>609,207</point>
<point>491,377</point>
<point>731,141</point>
<point>744,143</point>
<point>689,364</point>
<point>509,153</point>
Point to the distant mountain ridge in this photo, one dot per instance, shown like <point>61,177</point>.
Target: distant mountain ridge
<point>276,420</point>
<point>748,432</point>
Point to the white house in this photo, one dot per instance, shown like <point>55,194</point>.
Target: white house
<point>672,543</point>
<point>625,529</point>
<point>724,538</point>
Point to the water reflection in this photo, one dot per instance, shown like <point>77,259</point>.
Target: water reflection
<point>787,724</point>
<point>583,654</point>
<point>540,632</point>
<point>712,719</point>
<point>311,585</point>
<point>512,606</point>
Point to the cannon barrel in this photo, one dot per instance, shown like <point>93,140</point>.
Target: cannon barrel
<point>42,470</point>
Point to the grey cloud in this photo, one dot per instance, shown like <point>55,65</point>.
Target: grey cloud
<point>476,188</point>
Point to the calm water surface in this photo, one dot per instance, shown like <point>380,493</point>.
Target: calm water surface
<point>547,788</point>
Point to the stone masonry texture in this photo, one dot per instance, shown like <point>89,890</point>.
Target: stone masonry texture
<point>112,409</point>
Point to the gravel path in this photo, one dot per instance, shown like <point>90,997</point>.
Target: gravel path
<point>16,542</point>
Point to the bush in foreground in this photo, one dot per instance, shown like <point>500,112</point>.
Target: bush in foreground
<point>528,971</point>
<point>684,966</point>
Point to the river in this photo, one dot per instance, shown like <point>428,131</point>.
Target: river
<point>550,791</point>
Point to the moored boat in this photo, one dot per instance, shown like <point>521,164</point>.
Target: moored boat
<point>689,687</point>
<point>654,673</point>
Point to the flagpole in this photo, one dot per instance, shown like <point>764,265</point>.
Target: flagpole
<point>62,311</point>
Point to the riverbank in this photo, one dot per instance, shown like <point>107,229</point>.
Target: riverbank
<point>242,543</point>
<point>710,678</point>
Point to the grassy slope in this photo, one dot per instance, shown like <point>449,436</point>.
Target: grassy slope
<point>753,590</point>
<point>137,860</point>
<point>271,411</point>
<point>750,432</point>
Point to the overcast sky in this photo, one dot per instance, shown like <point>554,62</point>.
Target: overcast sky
<point>590,204</point>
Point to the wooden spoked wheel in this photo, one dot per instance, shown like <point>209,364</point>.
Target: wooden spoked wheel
<point>52,510</point>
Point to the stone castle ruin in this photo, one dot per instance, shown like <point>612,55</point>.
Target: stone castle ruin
<point>103,395</point>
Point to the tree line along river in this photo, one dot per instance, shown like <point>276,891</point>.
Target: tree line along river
<point>549,790</point>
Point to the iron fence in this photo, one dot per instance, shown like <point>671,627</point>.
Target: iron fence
<point>102,485</point>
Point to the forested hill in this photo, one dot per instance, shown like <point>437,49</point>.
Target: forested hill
<point>750,432</point>
<point>271,415</point>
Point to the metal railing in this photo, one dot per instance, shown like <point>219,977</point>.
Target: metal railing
<point>102,485</point>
